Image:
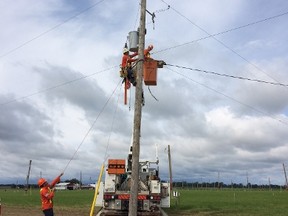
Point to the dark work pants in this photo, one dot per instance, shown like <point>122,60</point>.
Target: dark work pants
<point>130,75</point>
<point>48,212</point>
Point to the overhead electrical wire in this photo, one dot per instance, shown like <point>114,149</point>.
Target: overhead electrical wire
<point>138,12</point>
<point>106,103</point>
<point>51,29</point>
<point>153,15</point>
<point>163,50</point>
<point>223,44</point>
<point>112,125</point>
<point>152,94</point>
<point>243,58</point>
<point>93,124</point>
<point>229,97</point>
<point>54,87</point>
<point>223,32</point>
<point>236,28</point>
<point>227,75</point>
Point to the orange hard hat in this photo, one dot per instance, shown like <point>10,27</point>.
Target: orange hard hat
<point>41,182</point>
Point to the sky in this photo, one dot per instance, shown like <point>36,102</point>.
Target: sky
<point>62,101</point>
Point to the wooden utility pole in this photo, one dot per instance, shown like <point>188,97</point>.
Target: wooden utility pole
<point>247,179</point>
<point>286,182</point>
<point>218,180</point>
<point>28,175</point>
<point>170,169</point>
<point>137,116</point>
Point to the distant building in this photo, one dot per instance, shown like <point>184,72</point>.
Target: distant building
<point>67,186</point>
<point>62,186</point>
<point>73,186</point>
<point>89,186</point>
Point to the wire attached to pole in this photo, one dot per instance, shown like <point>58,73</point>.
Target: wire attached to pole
<point>153,16</point>
<point>152,94</point>
<point>90,129</point>
<point>230,76</point>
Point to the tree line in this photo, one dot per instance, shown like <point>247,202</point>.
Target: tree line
<point>219,185</point>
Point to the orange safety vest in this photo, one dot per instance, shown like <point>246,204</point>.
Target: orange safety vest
<point>127,59</point>
<point>46,194</point>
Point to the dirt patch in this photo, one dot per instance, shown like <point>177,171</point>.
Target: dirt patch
<point>65,211</point>
<point>36,211</point>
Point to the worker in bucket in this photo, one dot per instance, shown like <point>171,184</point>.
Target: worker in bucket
<point>47,194</point>
<point>147,51</point>
<point>126,66</point>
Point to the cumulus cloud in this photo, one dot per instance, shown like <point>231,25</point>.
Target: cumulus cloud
<point>62,97</point>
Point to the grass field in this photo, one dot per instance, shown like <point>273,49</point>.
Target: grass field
<point>66,203</point>
<point>230,202</point>
<point>190,202</point>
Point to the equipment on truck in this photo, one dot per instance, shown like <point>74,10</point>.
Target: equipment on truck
<point>152,193</point>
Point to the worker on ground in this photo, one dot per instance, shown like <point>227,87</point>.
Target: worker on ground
<point>47,194</point>
<point>126,67</point>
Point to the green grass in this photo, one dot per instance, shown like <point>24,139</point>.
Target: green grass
<point>230,202</point>
<point>67,198</point>
<point>191,202</point>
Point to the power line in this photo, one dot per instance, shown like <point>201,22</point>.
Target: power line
<point>230,98</point>
<point>112,125</point>
<point>223,44</point>
<point>51,29</point>
<point>71,81</point>
<point>230,76</point>
<point>54,87</point>
<point>90,129</point>
<point>223,32</point>
<point>138,11</point>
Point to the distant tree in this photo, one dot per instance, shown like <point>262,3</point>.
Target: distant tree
<point>74,181</point>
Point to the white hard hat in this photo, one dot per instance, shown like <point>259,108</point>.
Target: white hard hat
<point>125,50</point>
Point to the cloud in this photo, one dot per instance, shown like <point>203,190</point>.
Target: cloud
<point>26,123</point>
<point>62,97</point>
